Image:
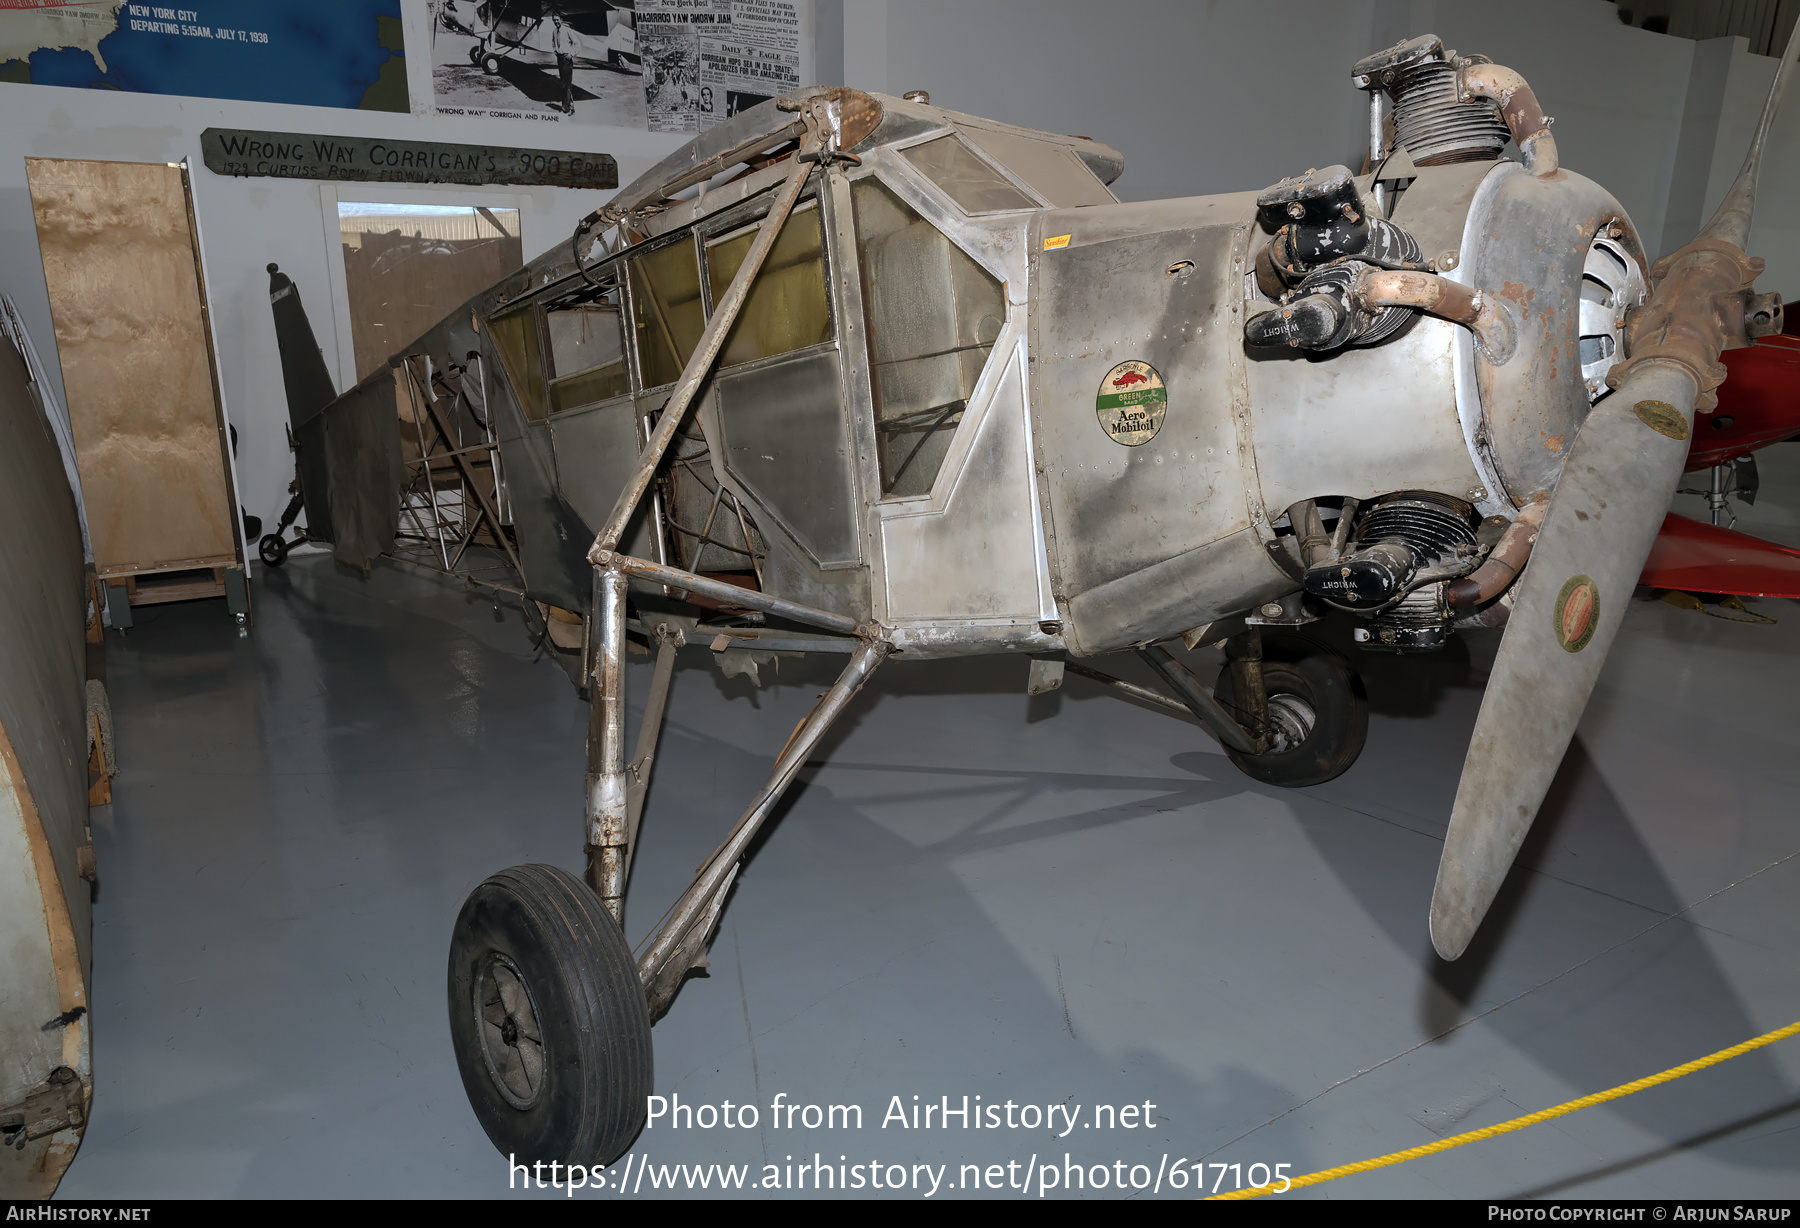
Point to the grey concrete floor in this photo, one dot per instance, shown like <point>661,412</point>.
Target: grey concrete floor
<point>1067,901</point>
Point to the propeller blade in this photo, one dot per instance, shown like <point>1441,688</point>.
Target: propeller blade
<point>1602,521</point>
<point>1599,528</point>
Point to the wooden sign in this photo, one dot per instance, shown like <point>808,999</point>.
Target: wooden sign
<point>361,159</point>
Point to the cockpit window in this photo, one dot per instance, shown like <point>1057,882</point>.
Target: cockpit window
<point>975,186</point>
<point>933,316</point>
<point>787,308</point>
<point>587,352</point>
<point>1055,171</point>
<point>666,309</point>
<point>515,335</point>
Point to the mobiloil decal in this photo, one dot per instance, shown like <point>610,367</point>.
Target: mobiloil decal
<point>1577,613</point>
<point>1132,403</point>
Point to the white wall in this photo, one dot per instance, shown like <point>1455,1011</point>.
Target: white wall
<point>247,223</point>
<point>1224,95</point>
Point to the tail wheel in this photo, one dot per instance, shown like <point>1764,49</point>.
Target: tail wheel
<point>551,1033</point>
<point>1318,714</point>
<point>273,549</point>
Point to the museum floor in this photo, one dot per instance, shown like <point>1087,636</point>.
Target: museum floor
<point>1068,901</point>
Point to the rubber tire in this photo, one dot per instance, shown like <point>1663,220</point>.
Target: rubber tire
<point>490,64</point>
<point>591,1015</point>
<point>1294,665</point>
<point>475,54</point>
<point>273,548</point>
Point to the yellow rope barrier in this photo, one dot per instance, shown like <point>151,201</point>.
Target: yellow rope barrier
<point>1517,1123</point>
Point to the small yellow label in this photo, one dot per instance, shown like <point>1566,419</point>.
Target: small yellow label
<point>1058,241</point>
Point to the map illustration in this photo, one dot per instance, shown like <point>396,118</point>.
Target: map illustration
<point>323,53</point>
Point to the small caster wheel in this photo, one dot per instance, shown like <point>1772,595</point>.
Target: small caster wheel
<point>490,64</point>
<point>273,548</point>
<point>1318,714</point>
<point>547,1018</point>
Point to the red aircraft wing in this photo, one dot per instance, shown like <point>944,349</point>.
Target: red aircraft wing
<point>1702,558</point>
<point>1759,403</point>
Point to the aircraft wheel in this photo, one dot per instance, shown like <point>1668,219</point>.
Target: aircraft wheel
<point>551,1032</point>
<point>273,548</point>
<point>475,54</point>
<point>490,64</point>
<point>1318,713</point>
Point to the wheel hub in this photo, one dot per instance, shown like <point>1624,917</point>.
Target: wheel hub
<point>1291,721</point>
<point>506,1020</point>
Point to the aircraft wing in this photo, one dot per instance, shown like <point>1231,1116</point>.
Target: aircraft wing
<point>1758,405</point>
<point>1696,557</point>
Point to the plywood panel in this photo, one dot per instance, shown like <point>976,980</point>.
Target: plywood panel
<point>125,296</point>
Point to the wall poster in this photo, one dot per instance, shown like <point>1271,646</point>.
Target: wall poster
<point>324,53</point>
<point>706,60</point>
<point>541,60</point>
<point>663,65</point>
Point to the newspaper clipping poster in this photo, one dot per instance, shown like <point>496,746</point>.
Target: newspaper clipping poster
<point>759,59</point>
<point>545,60</point>
<point>707,60</point>
<point>676,99</point>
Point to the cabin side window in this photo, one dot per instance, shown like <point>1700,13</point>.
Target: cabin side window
<point>975,186</point>
<point>787,308</point>
<point>933,317</point>
<point>667,314</point>
<point>1053,171</point>
<point>517,338</point>
<point>587,350</point>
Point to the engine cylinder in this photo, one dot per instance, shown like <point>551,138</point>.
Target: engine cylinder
<point>1407,546</point>
<point>1429,120</point>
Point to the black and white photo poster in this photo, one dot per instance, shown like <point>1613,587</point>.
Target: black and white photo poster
<point>551,61</point>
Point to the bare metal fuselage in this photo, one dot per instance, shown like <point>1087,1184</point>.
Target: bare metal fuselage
<point>1040,531</point>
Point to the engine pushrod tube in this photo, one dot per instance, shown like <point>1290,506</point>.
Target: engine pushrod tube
<point>718,590</point>
<point>705,353</point>
<point>1204,707</point>
<point>716,872</point>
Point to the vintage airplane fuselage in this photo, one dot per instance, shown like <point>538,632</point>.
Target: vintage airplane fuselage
<point>977,399</point>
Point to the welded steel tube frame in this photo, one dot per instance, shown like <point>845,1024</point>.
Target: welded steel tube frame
<point>1132,689</point>
<point>608,822</point>
<point>731,594</point>
<point>816,114</point>
<point>1204,707</point>
<point>679,941</point>
<point>643,758</point>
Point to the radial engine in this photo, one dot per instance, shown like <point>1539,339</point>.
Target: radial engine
<point>1435,330</point>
